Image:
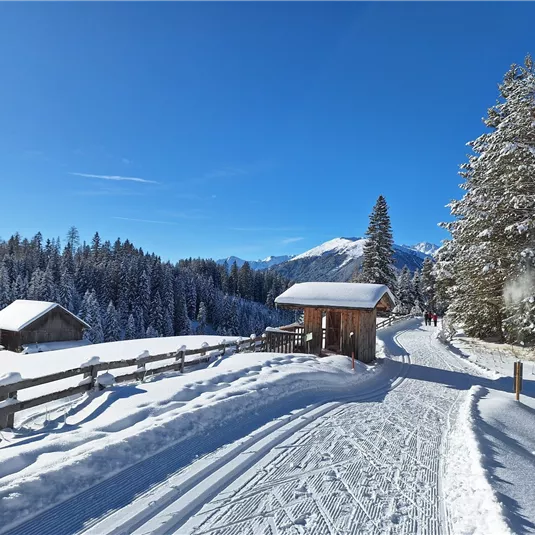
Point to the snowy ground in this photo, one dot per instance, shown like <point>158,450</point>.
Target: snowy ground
<point>503,428</point>
<point>265,443</point>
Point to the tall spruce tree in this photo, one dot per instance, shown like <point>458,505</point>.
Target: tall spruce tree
<point>377,264</point>
<point>492,237</point>
<point>112,331</point>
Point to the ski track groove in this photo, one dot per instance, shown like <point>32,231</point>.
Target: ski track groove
<point>367,465</point>
<point>391,489</point>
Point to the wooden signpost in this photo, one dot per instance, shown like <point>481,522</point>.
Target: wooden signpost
<point>517,381</point>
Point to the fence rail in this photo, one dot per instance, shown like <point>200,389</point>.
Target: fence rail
<point>9,404</point>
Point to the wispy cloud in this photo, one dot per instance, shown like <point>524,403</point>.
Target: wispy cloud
<point>292,240</point>
<point>126,161</point>
<point>107,192</point>
<point>145,220</point>
<point>116,178</point>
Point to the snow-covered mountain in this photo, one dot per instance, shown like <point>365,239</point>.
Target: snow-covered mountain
<point>424,247</point>
<point>334,260</point>
<point>337,259</point>
<point>266,263</point>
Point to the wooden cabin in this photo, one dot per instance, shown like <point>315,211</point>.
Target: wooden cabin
<point>339,317</point>
<point>26,322</point>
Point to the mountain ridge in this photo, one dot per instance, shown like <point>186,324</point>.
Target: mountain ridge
<point>334,260</point>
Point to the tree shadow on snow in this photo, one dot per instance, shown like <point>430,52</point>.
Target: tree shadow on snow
<point>491,439</point>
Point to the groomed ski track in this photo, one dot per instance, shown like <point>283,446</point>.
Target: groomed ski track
<point>367,464</point>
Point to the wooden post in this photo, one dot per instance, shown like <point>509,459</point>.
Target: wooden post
<point>93,373</point>
<point>352,338</point>
<point>518,369</point>
<point>8,420</point>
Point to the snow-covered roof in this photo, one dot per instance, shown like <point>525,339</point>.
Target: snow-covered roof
<point>23,312</point>
<point>334,295</point>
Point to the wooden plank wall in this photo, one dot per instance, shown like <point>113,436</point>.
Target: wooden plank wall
<point>312,322</point>
<point>367,331</point>
<point>350,324</point>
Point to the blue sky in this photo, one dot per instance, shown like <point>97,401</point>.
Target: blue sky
<point>249,128</point>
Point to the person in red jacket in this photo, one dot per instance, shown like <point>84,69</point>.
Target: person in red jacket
<point>435,318</point>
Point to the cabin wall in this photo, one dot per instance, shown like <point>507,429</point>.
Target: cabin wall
<point>55,326</point>
<point>313,324</point>
<point>10,340</point>
<point>367,332</point>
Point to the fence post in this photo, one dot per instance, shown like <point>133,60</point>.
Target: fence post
<point>252,345</point>
<point>141,365</point>
<point>93,374</point>
<point>8,420</point>
<point>238,344</point>
<point>180,358</point>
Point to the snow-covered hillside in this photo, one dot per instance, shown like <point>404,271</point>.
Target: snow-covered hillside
<point>258,265</point>
<point>336,260</point>
<point>424,247</point>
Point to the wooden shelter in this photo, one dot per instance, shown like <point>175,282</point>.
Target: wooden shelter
<point>339,316</point>
<point>29,322</point>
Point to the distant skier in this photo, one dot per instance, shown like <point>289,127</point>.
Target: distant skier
<point>435,318</point>
<point>426,317</point>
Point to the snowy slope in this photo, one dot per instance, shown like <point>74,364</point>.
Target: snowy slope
<point>259,265</point>
<point>337,259</point>
<point>501,430</point>
<point>428,249</point>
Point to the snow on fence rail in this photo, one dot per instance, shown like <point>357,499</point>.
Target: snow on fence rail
<point>9,404</point>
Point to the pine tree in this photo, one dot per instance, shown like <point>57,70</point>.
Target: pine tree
<point>427,285</point>
<point>404,292</point>
<point>377,264</point>
<point>156,313</point>
<point>130,331</point>
<point>201,319</point>
<point>6,293</point>
<point>151,332</point>
<point>416,289</point>
<point>233,279</point>
<point>245,281</point>
<point>20,288</point>
<point>112,331</point>
<point>491,243</point>
<point>91,315</point>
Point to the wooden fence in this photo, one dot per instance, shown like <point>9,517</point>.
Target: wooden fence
<point>391,320</point>
<point>287,339</point>
<point>9,404</point>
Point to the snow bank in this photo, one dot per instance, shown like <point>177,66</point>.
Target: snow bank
<point>121,425</point>
<point>53,346</point>
<point>470,500</point>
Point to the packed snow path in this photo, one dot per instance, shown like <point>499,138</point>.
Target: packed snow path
<point>370,464</point>
<point>364,467</point>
